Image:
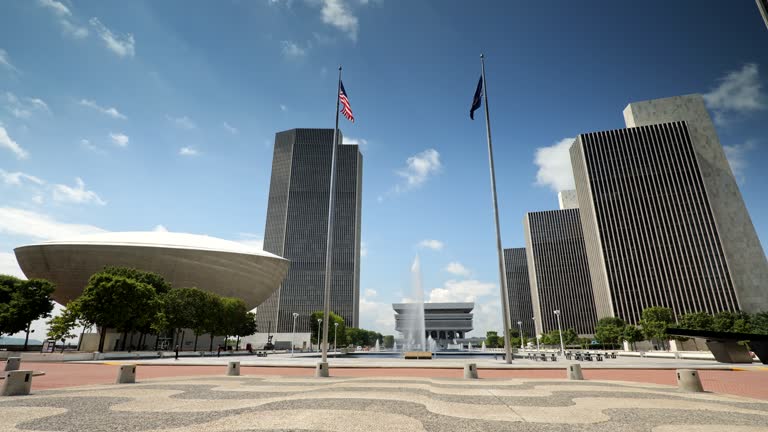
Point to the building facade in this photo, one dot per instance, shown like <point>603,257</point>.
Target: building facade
<point>663,218</point>
<point>444,322</point>
<point>519,290</point>
<point>558,271</point>
<point>297,228</point>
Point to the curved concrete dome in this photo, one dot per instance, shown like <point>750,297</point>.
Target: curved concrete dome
<point>224,267</point>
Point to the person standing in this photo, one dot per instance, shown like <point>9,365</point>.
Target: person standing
<point>177,351</point>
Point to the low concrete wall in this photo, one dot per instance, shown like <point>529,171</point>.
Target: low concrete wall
<point>47,357</point>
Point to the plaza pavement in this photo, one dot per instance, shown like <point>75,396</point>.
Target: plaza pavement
<point>374,403</point>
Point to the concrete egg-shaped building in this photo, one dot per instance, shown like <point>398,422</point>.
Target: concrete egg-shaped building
<point>220,266</point>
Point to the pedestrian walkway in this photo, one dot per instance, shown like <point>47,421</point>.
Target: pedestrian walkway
<point>247,403</point>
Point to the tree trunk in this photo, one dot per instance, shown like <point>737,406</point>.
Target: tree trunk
<point>181,344</point>
<point>125,336</point>
<point>26,338</point>
<point>211,347</point>
<point>196,336</point>
<point>102,338</point>
<point>237,343</point>
<point>157,340</point>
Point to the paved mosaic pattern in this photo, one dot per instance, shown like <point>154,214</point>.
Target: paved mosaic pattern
<point>251,403</point>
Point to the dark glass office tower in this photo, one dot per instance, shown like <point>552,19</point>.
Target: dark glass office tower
<point>519,290</point>
<point>559,271</point>
<point>297,224</point>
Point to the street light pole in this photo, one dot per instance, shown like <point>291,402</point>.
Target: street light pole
<point>319,344</point>
<point>335,329</point>
<point>537,336</point>
<point>293,336</point>
<point>520,326</point>
<point>560,330</point>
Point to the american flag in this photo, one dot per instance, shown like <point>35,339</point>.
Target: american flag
<point>345,109</point>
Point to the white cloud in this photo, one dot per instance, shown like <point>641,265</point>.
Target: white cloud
<point>251,240</point>
<point>360,142</point>
<point>431,244</point>
<point>77,194</point>
<point>419,168</point>
<point>337,14</point>
<point>119,139</point>
<point>122,45</point>
<point>111,111</point>
<point>10,144</point>
<point>739,91</point>
<point>376,316</point>
<point>5,61</point>
<point>292,50</point>
<point>737,158</point>
<point>15,221</point>
<point>73,30</point>
<point>23,108</point>
<point>457,269</point>
<point>86,144</point>
<point>461,291</point>
<point>183,122</point>
<point>15,178</point>
<point>160,228</point>
<point>188,151</point>
<point>38,199</point>
<point>554,164</point>
<point>363,249</point>
<point>57,7</point>
<point>9,265</point>
<point>231,129</point>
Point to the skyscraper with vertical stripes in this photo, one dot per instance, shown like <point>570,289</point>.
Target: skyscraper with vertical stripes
<point>297,228</point>
<point>559,271</point>
<point>663,219</point>
<point>519,290</point>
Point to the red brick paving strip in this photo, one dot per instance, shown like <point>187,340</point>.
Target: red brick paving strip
<point>752,384</point>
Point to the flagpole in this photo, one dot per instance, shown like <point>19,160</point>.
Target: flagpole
<point>329,242</point>
<point>502,267</point>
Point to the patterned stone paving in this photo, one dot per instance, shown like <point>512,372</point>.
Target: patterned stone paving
<point>250,403</point>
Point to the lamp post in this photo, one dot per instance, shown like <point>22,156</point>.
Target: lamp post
<point>293,337</point>
<point>520,327</point>
<point>537,336</point>
<point>335,329</point>
<point>560,330</point>
<point>319,346</point>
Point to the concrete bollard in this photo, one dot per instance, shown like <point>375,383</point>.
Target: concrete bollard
<point>126,374</point>
<point>470,371</point>
<point>321,370</point>
<point>574,372</point>
<point>233,369</point>
<point>13,364</point>
<point>17,383</point>
<point>688,380</point>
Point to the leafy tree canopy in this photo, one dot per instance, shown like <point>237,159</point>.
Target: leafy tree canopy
<point>23,301</point>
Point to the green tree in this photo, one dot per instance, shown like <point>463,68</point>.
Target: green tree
<point>493,340</point>
<point>246,327</point>
<point>695,321</point>
<point>389,341</point>
<point>61,327</point>
<point>179,308</point>
<point>23,302</point>
<point>609,330</point>
<point>110,301</point>
<point>341,331</point>
<point>733,322</point>
<point>655,321</point>
<point>154,280</point>
<point>214,321</point>
<point>632,334</point>
<point>760,323</point>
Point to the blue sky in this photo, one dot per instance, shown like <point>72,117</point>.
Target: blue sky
<point>132,115</point>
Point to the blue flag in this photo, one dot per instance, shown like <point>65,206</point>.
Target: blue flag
<point>477,99</point>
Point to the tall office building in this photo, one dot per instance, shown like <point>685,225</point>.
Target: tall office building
<point>519,290</point>
<point>559,271</point>
<point>762,5</point>
<point>297,228</point>
<point>663,219</point>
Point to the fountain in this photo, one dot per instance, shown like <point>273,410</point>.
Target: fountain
<point>394,346</point>
<point>482,348</point>
<point>416,331</point>
<point>376,347</point>
<point>469,348</point>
